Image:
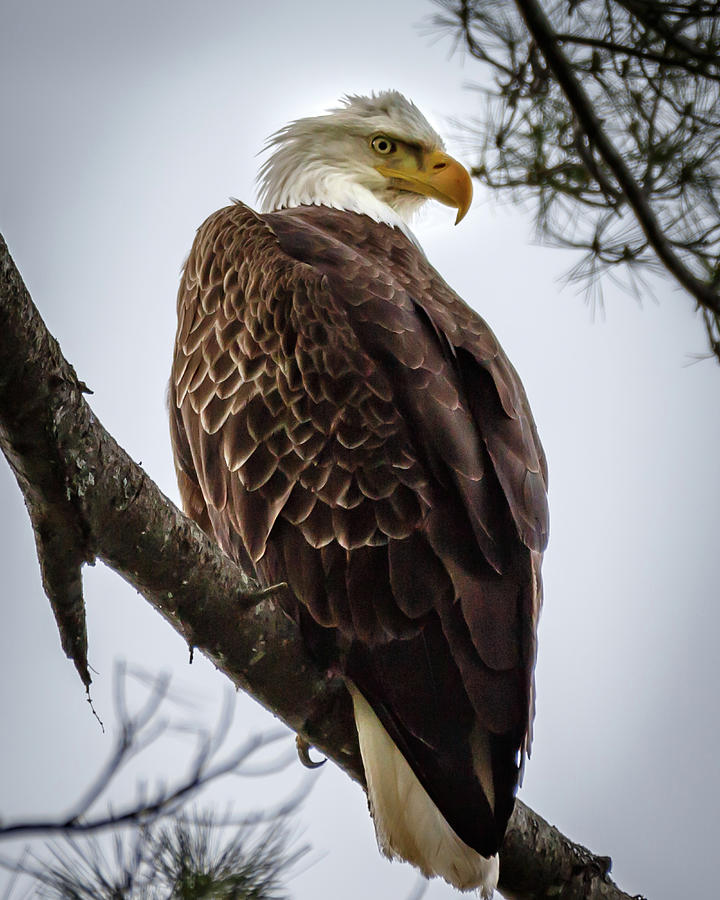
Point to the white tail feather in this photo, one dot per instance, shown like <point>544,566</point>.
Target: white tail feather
<point>408,824</point>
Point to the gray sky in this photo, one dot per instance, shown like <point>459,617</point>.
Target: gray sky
<point>123,127</point>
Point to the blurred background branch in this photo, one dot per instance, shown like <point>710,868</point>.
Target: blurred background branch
<point>159,847</point>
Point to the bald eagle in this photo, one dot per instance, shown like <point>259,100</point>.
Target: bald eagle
<point>342,421</point>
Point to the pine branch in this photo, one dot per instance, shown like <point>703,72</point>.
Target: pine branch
<point>598,43</point>
<point>618,144</point>
<point>87,499</point>
<point>542,32</point>
<point>651,15</point>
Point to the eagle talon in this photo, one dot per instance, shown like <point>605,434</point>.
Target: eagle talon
<point>303,751</point>
<point>269,590</point>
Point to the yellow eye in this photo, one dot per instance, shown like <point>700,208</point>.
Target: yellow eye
<point>383,145</point>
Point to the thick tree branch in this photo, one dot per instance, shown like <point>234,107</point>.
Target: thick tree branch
<point>542,32</point>
<point>87,499</point>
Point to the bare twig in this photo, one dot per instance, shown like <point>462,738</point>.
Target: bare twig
<point>135,733</point>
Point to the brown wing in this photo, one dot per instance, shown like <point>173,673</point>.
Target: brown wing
<point>352,427</point>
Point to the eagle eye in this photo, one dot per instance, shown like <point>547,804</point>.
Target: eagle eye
<point>383,145</point>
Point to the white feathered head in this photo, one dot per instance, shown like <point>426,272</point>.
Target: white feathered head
<point>376,155</point>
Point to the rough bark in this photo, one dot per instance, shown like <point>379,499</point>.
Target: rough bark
<point>88,500</point>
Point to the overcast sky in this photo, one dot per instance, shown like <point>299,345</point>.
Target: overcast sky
<point>123,126</point>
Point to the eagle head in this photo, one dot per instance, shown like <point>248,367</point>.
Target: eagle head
<point>376,155</point>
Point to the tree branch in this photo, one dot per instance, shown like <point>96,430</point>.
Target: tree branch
<point>87,499</point>
<point>652,17</point>
<point>623,49</point>
<point>542,32</point>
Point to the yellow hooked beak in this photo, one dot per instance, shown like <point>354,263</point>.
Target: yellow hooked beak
<point>432,174</point>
